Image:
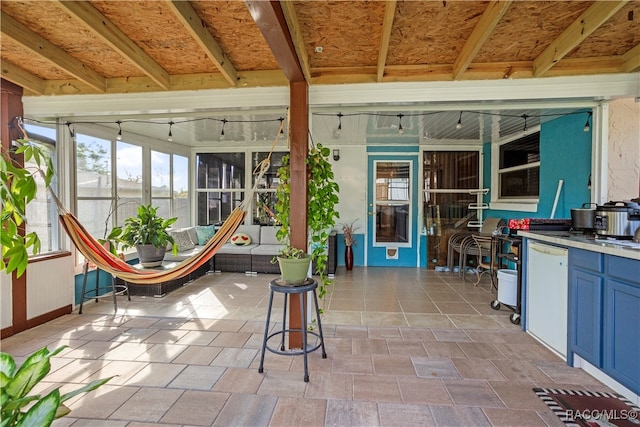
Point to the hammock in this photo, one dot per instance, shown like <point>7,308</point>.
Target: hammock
<point>105,260</point>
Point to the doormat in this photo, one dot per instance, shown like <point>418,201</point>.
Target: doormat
<point>590,408</point>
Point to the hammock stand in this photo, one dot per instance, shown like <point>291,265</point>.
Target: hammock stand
<point>106,261</point>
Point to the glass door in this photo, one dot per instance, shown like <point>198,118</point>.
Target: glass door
<point>392,235</point>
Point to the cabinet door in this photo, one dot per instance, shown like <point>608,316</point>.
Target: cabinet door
<point>622,333</point>
<point>585,315</point>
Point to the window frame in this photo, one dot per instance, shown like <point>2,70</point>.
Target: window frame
<point>522,204</point>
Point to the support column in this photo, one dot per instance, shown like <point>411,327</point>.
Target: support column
<point>299,145</point>
<point>10,108</point>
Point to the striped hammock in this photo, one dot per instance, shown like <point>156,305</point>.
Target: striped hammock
<point>105,260</point>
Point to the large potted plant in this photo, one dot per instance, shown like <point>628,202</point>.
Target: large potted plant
<point>322,197</point>
<point>148,233</point>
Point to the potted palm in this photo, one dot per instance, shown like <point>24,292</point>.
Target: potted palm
<point>322,197</point>
<point>148,233</point>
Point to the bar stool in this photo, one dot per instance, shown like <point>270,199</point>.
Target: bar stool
<point>116,289</point>
<point>277,285</point>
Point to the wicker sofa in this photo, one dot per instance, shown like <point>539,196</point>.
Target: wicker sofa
<point>255,257</point>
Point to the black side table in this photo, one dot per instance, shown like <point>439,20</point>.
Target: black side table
<point>277,285</point>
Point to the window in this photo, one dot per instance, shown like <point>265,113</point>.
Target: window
<point>42,215</point>
<point>220,185</point>
<point>519,168</point>
<point>264,198</point>
<point>104,201</point>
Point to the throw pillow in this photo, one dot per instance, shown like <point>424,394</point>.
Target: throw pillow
<point>205,233</point>
<point>240,239</point>
<point>182,240</point>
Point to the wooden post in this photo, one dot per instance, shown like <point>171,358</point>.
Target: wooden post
<point>299,143</point>
<point>10,109</point>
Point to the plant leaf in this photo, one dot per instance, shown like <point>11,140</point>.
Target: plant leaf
<point>43,412</point>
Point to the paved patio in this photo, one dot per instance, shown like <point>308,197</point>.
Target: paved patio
<point>406,347</point>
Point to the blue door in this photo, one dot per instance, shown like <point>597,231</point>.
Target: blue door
<point>392,201</point>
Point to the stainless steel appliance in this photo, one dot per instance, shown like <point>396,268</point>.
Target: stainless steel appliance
<point>582,218</point>
<point>617,219</point>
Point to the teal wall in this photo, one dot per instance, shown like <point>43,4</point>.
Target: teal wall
<point>565,153</point>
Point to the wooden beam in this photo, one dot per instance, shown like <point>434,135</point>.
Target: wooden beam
<point>52,53</point>
<point>102,27</point>
<point>288,9</point>
<point>483,29</point>
<point>22,78</point>
<point>387,25</point>
<point>198,30</point>
<point>597,14</point>
<point>631,60</point>
<point>269,18</point>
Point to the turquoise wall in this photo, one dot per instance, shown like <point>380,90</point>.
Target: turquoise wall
<point>565,153</point>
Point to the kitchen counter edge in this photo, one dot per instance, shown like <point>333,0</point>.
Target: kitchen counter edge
<point>584,242</point>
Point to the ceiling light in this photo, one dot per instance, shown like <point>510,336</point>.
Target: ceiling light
<point>587,126</point>
<point>459,124</point>
<point>400,129</point>
<point>170,139</point>
<point>119,137</point>
<point>319,49</point>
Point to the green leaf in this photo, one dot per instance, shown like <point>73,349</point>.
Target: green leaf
<point>87,388</point>
<point>34,369</point>
<point>43,412</point>
<point>7,366</point>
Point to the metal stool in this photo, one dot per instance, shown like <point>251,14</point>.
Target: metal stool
<point>278,285</point>
<point>116,289</point>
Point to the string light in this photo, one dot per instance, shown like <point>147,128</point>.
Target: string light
<point>224,122</point>
<point>170,139</point>
<point>72,134</point>
<point>400,129</point>
<point>459,124</point>
<point>524,116</point>
<point>340,116</point>
<point>587,126</point>
<point>119,137</point>
<point>281,120</point>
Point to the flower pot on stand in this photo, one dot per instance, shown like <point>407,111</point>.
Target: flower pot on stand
<point>294,271</point>
<point>348,257</point>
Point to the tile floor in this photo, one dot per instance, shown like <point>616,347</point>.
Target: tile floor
<point>406,347</point>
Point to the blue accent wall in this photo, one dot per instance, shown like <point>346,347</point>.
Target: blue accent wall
<point>565,153</point>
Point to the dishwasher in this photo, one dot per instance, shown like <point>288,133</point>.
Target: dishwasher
<point>547,295</point>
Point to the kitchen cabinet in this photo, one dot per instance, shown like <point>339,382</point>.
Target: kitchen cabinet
<point>586,287</point>
<point>621,358</point>
<point>604,314</point>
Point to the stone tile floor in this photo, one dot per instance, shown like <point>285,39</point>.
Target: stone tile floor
<point>406,347</point>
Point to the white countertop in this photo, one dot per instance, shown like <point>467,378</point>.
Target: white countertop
<point>622,248</point>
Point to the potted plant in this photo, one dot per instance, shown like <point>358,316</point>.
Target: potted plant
<point>348,231</point>
<point>147,232</point>
<point>322,197</point>
<point>17,188</point>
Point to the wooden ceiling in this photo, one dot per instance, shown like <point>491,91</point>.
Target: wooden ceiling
<point>99,46</point>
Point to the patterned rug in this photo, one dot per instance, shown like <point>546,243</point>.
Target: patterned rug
<point>590,408</point>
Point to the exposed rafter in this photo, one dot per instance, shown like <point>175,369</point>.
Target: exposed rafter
<point>192,22</point>
<point>99,25</point>
<point>288,9</point>
<point>22,78</point>
<point>631,60</point>
<point>52,53</point>
<point>596,15</point>
<point>487,22</point>
<point>387,25</point>
<point>269,18</point>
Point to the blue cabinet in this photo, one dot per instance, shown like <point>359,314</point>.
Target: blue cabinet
<point>604,314</point>
<point>586,284</point>
<point>622,321</point>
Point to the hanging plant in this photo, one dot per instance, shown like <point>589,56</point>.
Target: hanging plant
<point>322,198</point>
